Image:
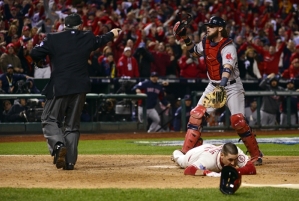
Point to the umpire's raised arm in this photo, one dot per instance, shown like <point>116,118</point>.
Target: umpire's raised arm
<point>104,39</point>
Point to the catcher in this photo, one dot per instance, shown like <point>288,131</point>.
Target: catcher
<point>225,86</point>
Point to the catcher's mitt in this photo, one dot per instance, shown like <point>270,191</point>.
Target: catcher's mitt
<point>215,99</point>
<point>230,180</point>
<point>179,28</point>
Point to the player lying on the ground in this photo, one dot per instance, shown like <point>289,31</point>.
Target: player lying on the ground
<point>208,160</point>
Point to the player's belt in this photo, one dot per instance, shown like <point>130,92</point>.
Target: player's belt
<point>228,83</point>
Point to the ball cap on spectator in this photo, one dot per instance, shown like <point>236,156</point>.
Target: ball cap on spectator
<point>26,28</point>
<point>154,74</point>
<point>127,49</point>
<point>291,81</point>
<point>187,97</point>
<point>9,66</point>
<point>72,20</point>
<point>216,21</point>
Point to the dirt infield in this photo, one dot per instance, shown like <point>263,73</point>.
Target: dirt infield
<point>128,171</point>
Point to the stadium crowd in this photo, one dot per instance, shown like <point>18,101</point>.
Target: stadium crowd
<point>265,33</point>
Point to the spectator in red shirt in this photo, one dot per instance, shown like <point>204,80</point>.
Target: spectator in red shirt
<point>293,71</point>
<point>189,67</point>
<point>161,60</point>
<point>295,54</point>
<point>127,65</point>
<point>271,57</point>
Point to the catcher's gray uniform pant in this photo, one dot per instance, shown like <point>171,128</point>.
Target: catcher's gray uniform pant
<point>151,114</point>
<point>235,97</point>
<point>68,109</point>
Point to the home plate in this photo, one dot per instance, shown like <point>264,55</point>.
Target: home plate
<point>163,166</point>
<point>295,186</point>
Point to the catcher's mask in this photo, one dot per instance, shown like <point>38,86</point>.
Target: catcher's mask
<point>230,180</point>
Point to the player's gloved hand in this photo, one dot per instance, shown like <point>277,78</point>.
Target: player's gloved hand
<point>211,174</point>
<point>179,30</point>
<point>219,93</point>
<point>215,99</point>
<point>189,61</point>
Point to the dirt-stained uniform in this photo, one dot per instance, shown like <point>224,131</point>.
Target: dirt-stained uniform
<point>207,157</point>
<point>220,58</point>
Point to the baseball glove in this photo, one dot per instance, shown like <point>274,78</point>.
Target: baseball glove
<point>230,180</point>
<point>215,99</point>
<point>180,27</point>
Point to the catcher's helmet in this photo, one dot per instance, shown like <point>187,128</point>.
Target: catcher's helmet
<point>72,20</point>
<point>230,180</point>
<point>216,21</point>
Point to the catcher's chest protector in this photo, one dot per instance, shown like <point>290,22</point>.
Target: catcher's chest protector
<point>212,55</point>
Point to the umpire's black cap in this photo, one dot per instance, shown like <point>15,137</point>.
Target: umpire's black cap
<point>216,22</point>
<point>72,20</point>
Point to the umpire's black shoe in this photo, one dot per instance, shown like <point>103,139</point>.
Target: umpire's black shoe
<point>59,155</point>
<point>69,166</point>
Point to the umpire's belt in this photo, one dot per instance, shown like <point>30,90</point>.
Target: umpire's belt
<point>228,83</point>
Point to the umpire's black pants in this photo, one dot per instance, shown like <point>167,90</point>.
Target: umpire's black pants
<point>65,109</point>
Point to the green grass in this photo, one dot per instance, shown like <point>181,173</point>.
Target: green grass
<point>128,147</point>
<point>243,194</point>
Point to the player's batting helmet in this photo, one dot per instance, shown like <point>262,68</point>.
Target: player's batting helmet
<point>230,180</point>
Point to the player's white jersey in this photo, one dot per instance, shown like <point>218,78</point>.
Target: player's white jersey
<point>207,157</point>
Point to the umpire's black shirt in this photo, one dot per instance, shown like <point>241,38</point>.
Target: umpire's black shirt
<point>69,51</point>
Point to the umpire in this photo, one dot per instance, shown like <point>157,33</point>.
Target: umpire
<point>66,91</point>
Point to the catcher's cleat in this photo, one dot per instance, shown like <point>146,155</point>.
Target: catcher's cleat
<point>59,155</point>
<point>69,166</point>
<point>259,160</point>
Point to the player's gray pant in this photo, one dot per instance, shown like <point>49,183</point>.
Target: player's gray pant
<point>284,119</point>
<point>151,114</point>
<point>68,109</point>
<point>267,119</point>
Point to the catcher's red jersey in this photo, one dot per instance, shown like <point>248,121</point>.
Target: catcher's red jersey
<point>213,57</point>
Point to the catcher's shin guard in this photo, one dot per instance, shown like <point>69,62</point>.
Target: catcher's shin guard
<point>239,123</point>
<point>192,137</point>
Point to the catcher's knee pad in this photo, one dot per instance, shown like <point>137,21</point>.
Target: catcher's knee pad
<point>192,137</point>
<point>239,123</point>
<point>196,115</point>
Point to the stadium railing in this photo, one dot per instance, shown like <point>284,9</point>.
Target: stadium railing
<point>258,95</point>
<point>35,127</point>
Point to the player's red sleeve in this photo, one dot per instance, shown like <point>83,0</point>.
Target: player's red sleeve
<point>190,170</point>
<point>248,169</point>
